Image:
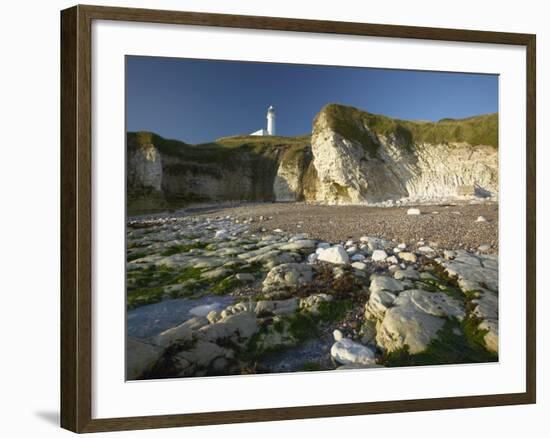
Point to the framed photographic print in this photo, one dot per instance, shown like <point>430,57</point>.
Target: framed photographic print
<point>289,214</point>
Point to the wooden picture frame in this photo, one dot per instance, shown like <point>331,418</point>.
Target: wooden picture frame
<point>76,217</point>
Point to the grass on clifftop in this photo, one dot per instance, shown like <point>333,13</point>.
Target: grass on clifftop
<point>350,122</point>
<point>221,149</point>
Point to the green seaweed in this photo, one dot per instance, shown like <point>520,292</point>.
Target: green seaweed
<point>182,248</point>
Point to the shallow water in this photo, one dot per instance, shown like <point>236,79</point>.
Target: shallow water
<point>152,319</point>
<point>313,351</point>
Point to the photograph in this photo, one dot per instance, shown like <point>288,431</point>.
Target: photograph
<point>308,218</point>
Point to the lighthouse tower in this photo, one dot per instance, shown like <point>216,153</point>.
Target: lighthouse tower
<point>270,123</point>
<point>271,120</point>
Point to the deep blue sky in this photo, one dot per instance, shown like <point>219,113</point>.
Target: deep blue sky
<point>198,101</point>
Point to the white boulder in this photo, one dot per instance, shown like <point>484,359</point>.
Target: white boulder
<point>335,254</point>
<point>379,255</point>
<point>347,352</point>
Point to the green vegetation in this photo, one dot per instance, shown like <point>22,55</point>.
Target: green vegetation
<point>304,325</point>
<point>227,150</point>
<point>351,122</point>
<point>457,342</point>
<point>178,249</point>
<point>153,283</point>
<point>134,256</point>
<point>225,286</point>
<point>141,296</point>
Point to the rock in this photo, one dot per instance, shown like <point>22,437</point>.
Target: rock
<point>413,211</point>
<point>337,272</point>
<point>377,305</point>
<point>393,268</point>
<point>484,248</point>
<point>222,234</point>
<point>278,230</point>
<point>402,246</point>
<point>359,265</point>
<point>392,259</point>
<point>213,316</point>
<point>298,245</point>
<point>406,273</point>
<point>486,305</point>
<point>415,319</point>
<point>216,273</point>
<point>368,332</point>
<point>337,334</point>
<point>481,219</point>
<point>140,357</point>
<point>491,337</point>
<point>349,243</point>
<point>425,249</point>
<point>199,356</point>
<point>357,257</point>
<point>383,282</point>
<point>379,255</point>
<point>428,276</point>
<point>242,306</point>
<point>466,190</point>
<point>276,307</point>
<point>449,255</point>
<point>245,277</point>
<point>300,236</point>
<point>352,250</point>
<point>312,258</point>
<point>237,328</point>
<point>347,352</point>
<point>374,243</point>
<point>335,254</point>
<point>323,245</point>
<point>436,303</point>
<point>311,303</point>
<point>181,333</point>
<point>407,257</point>
<point>288,275</point>
<point>473,272</point>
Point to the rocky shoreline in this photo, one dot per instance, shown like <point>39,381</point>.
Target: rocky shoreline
<point>301,300</point>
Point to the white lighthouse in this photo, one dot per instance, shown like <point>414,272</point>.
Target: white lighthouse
<point>270,123</point>
<point>271,120</point>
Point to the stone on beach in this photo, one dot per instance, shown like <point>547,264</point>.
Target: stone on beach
<point>413,211</point>
<point>288,275</point>
<point>140,357</point>
<point>347,352</point>
<point>379,255</point>
<point>335,254</point>
<point>383,282</point>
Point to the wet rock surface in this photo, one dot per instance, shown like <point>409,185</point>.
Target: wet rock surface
<point>215,295</point>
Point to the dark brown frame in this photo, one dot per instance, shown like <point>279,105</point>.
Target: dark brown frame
<point>76,237</point>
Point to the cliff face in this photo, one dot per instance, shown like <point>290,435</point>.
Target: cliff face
<point>352,157</point>
<point>365,158</point>
<point>230,169</point>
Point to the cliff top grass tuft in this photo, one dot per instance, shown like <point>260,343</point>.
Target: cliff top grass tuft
<point>221,150</point>
<point>349,122</point>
